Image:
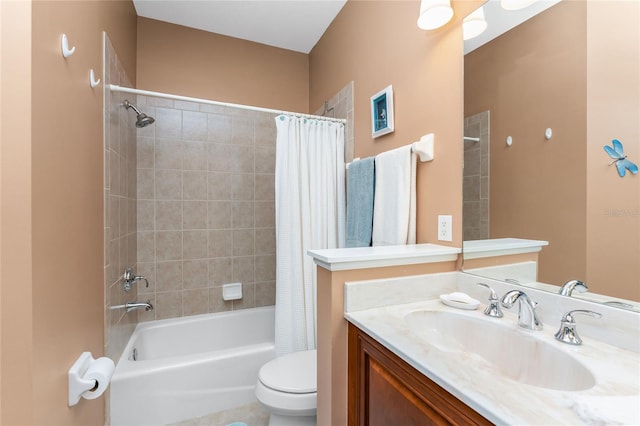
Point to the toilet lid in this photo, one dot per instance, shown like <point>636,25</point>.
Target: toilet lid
<point>291,373</point>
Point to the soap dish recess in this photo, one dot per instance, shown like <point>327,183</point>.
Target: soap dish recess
<point>459,301</point>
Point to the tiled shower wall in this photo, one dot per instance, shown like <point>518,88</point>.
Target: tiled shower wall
<point>120,206</point>
<point>342,104</point>
<point>476,178</point>
<point>206,209</point>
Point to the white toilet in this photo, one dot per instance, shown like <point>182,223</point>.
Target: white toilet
<point>288,387</point>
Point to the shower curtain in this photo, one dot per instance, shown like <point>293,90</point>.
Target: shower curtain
<point>310,214</point>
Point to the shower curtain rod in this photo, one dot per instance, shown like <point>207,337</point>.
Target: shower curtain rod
<point>116,88</point>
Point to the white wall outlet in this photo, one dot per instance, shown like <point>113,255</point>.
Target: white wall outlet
<point>444,228</point>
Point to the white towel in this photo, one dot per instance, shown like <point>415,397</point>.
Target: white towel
<point>394,210</point>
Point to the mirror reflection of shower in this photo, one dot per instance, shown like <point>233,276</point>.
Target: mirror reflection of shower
<point>143,119</point>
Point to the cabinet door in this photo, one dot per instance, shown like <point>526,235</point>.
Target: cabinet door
<point>386,391</point>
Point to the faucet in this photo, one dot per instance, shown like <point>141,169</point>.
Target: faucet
<point>130,278</point>
<point>493,308</point>
<point>527,317</point>
<point>568,287</point>
<point>567,332</point>
<point>131,306</point>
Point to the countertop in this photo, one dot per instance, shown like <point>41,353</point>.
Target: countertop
<point>614,399</point>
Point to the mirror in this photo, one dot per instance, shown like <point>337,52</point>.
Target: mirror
<point>573,69</point>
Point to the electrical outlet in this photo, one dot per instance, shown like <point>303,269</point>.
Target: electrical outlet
<point>444,228</point>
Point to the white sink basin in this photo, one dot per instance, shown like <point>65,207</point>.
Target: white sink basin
<point>513,353</point>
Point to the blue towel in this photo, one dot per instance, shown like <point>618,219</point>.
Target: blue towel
<point>360,189</point>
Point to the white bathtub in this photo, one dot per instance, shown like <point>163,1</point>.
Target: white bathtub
<point>190,367</point>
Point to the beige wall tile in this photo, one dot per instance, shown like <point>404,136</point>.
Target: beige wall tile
<point>194,215</point>
<point>195,156</point>
<point>194,185</point>
<point>265,268</point>
<point>168,276</point>
<point>243,242</point>
<point>195,244</point>
<point>265,294</point>
<point>242,186</point>
<point>168,305</point>
<point>168,153</point>
<point>194,126</point>
<point>195,302</point>
<point>195,273</point>
<point>146,246</point>
<point>168,245</point>
<point>219,215</point>
<point>220,271</point>
<point>242,130</point>
<point>243,214</point>
<point>248,298</point>
<point>242,159</point>
<point>265,159</point>
<point>220,244</point>
<point>168,184</point>
<point>168,215</point>
<point>145,153</point>
<point>219,128</point>
<point>243,269</point>
<point>219,156</point>
<point>265,241</point>
<point>216,304</point>
<point>265,131</point>
<point>168,123</point>
<point>265,214</point>
<point>265,187</point>
<point>146,184</point>
<point>219,186</point>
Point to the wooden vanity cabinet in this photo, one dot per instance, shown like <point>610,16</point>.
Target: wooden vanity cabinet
<point>386,391</point>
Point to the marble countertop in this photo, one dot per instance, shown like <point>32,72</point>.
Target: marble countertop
<point>614,399</point>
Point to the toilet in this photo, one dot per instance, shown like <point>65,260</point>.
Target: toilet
<point>287,387</point>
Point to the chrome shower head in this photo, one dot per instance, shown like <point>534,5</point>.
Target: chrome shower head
<point>143,119</point>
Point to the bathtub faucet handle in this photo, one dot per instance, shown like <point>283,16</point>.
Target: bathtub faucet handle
<point>130,278</point>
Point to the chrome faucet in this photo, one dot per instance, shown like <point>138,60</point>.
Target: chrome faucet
<point>131,306</point>
<point>567,332</point>
<point>568,287</point>
<point>493,308</point>
<point>130,278</point>
<point>527,317</point>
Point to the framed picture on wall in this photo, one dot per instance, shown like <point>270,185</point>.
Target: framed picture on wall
<point>382,112</point>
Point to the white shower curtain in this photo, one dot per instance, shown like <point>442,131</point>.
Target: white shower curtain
<point>310,214</point>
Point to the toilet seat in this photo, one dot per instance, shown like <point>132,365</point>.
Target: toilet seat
<point>287,385</point>
<point>291,373</point>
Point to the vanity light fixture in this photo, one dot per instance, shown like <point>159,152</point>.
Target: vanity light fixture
<point>516,4</point>
<point>434,14</point>
<point>474,24</point>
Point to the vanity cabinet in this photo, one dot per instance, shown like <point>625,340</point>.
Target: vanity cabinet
<point>384,390</point>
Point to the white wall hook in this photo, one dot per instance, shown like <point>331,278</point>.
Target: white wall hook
<point>92,79</point>
<point>509,141</point>
<point>66,52</point>
<point>548,133</point>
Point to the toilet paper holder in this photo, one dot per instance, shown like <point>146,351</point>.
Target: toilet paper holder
<point>84,384</point>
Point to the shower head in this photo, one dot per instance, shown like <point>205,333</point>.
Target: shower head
<point>143,119</point>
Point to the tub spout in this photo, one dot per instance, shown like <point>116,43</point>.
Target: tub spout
<point>132,306</point>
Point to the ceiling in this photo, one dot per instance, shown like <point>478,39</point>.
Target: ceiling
<point>290,24</point>
<point>297,24</point>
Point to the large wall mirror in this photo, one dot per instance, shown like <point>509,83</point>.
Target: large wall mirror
<point>573,68</point>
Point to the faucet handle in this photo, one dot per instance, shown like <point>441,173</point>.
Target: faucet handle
<point>493,308</point>
<point>130,278</point>
<point>568,332</point>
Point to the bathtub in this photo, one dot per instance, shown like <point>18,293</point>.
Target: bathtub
<point>178,369</point>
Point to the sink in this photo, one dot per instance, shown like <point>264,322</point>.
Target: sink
<point>497,345</point>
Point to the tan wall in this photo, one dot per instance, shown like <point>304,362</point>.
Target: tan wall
<point>15,214</point>
<point>56,302</point>
<point>377,43</point>
<point>189,62</point>
<point>613,102</point>
<point>531,78</point>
